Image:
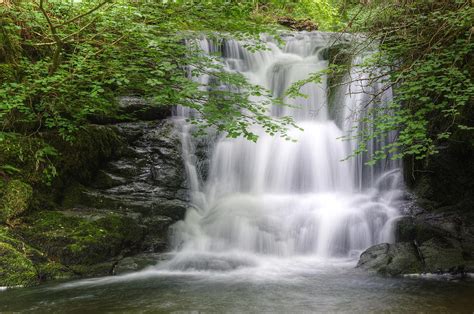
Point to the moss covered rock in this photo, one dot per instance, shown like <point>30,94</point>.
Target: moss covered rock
<point>15,200</point>
<point>15,268</point>
<point>391,259</point>
<point>93,145</point>
<point>73,240</point>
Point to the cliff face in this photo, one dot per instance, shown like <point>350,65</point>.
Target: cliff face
<point>123,185</point>
<point>437,233</point>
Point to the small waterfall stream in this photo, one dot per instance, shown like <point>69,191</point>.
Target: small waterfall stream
<point>279,199</point>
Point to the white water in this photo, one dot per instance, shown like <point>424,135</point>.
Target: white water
<point>279,200</point>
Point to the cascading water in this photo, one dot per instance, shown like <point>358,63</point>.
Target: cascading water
<point>282,199</point>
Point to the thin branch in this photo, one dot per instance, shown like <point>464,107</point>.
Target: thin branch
<point>97,7</point>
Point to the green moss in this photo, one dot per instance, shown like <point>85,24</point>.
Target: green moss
<point>54,271</point>
<point>15,268</point>
<point>15,200</point>
<point>73,240</point>
<point>91,147</point>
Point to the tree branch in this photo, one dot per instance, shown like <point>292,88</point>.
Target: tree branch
<point>97,7</point>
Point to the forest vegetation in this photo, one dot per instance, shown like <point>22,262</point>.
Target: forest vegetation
<point>63,64</point>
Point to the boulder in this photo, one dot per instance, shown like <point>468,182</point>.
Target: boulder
<point>425,243</point>
<point>391,259</point>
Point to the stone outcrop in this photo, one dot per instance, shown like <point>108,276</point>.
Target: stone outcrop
<point>425,243</point>
<point>124,185</point>
<point>146,183</point>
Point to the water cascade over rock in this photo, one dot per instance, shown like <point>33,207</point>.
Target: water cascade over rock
<point>280,199</point>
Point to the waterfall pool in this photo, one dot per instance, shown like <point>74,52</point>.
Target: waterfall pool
<point>287,286</point>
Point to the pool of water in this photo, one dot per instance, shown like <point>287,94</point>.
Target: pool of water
<point>277,286</point>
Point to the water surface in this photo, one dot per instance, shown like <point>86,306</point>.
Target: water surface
<point>280,286</point>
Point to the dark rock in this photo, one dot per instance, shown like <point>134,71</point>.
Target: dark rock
<point>142,109</point>
<point>443,242</point>
<point>147,183</point>
<point>409,229</point>
<point>137,262</point>
<point>442,255</point>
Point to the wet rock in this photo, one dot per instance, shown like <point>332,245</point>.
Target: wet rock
<point>391,259</point>
<point>142,109</point>
<point>443,243</point>
<point>137,262</point>
<point>146,183</point>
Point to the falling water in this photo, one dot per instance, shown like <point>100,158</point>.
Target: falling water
<point>280,199</point>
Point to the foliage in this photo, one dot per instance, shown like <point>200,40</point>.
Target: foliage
<point>67,61</point>
<point>425,52</point>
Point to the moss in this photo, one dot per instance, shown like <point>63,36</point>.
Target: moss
<point>73,240</point>
<point>91,147</point>
<point>54,271</point>
<point>15,200</point>
<point>45,268</point>
<point>15,268</point>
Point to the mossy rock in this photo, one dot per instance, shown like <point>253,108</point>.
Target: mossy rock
<point>96,270</point>
<point>72,240</point>
<point>92,147</point>
<point>391,259</point>
<point>15,200</point>
<point>54,271</point>
<point>15,268</point>
<point>443,255</point>
<point>45,268</point>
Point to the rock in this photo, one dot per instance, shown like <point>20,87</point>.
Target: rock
<point>142,109</point>
<point>95,270</point>
<point>53,271</point>
<point>15,200</point>
<point>409,229</point>
<point>443,243</point>
<point>137,262</point>
<point>45,268</point>
<point>15,268</point>
<point>147,183</point>
<point>391,259</point>
<point>442,255</point>
<point>93,146</point>
<point>74,240</point>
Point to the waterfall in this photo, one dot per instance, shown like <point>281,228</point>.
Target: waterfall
<point>283,199</point>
